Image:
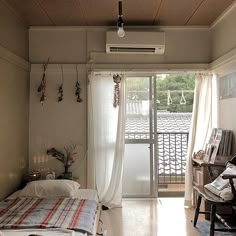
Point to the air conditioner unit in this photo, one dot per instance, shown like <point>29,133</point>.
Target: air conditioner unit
<point>136,42</point>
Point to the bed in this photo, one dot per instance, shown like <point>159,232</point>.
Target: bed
<point>50,207</point>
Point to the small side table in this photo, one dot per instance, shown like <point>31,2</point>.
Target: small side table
<point>204,173</point>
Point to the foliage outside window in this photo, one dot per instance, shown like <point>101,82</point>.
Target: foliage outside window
<point>176,83</point>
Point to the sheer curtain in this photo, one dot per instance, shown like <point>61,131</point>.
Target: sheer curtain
<point>204,118</point>
<point>106,139</point>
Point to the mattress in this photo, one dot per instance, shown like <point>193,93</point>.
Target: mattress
<point>80,193</point>
<point>90,194</point>
<point>41,232</point>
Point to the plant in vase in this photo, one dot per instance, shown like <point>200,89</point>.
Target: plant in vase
<point>67,157</point>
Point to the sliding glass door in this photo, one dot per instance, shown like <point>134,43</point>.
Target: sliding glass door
<point>138,180</point>
<point>158,119</point>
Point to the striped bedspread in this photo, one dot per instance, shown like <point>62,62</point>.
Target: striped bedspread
<point>66,213</point>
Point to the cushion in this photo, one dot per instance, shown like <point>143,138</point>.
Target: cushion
<point>220,186</point>
<point>50,188</point>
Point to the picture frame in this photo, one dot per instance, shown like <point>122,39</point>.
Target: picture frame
<point>208,152</point>
<point>215,144</point>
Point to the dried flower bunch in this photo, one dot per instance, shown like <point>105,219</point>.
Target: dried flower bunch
<point>67,157</point>
<point>78,91</point>
<point>60,93</point>
<point>60,89</point>
<point>77,87</point>
<point>116,99</point>
<point>42,87</point>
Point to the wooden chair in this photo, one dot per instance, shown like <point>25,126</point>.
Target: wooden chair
<point>215,202</point>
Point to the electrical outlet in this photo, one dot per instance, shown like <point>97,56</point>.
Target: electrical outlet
<point>104,233</point>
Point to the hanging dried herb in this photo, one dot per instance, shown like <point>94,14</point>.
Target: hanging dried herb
<point>78,88</point>
<point>116,99</point>
<point>42,87</point>
<point>60,89</point>
<point>60,93</point>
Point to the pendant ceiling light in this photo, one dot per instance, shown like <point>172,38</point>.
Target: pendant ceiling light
<point>120,22</point>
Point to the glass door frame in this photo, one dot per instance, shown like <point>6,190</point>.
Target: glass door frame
<point>151,141</point>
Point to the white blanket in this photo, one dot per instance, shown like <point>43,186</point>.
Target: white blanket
<point>80,193</point>
<point>39,232</point>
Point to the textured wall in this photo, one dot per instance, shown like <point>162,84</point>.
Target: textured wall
<point>74,45</point>
<point>13,31</point>
<point>14,101</point>
<point>56,124</point>
<point>224,42</point>
<point>224,35</point>
<point>14,98</point>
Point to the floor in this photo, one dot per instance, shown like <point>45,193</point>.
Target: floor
<point>149,217</point>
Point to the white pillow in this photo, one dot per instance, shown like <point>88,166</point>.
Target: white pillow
<point>50,188</point>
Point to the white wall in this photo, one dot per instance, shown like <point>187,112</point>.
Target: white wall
<point>14,101</point>
<point>223,53</point>
<point>13,32</point>
<point>228,117</point>
<point>74,45</point>
<point>224,35</point>
<point>56,124</point>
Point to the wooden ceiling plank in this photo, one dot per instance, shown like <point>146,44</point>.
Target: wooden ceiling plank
<point>138,13</point>
<point>209,11</point>
<point>135,12</point>
<point>44,10</point>
<point>157,12</point>
<point>31,12</point>
<point>66,13</point>
<point>81,9</point>
<point>105,12</point>
<point>16,12</point>
<point>174,12</point>
<point>197,8</point>
<point>100,12</point>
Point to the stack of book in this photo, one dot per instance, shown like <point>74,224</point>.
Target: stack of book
<point>219,145</point>
<point>225,146</point>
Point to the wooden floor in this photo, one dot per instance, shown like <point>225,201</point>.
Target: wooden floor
<point>150,217</point>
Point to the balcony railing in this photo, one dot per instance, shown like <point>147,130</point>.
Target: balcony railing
<point>172,140</point>
<point>171,157</point>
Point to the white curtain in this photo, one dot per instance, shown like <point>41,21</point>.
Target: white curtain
<point>106,139</point>
<point>204,118</point>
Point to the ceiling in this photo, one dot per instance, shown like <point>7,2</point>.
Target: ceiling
<point>104,12</point>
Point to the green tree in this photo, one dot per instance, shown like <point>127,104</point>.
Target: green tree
<point>175,83</point>
<point>138,89</point>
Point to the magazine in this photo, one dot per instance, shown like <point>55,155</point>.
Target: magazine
<point>216,143</point>
<point>208,152</point>
<point>220,183</point>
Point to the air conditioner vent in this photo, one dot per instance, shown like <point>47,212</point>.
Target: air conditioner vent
<point>136,43</point>
<point>132,50</point>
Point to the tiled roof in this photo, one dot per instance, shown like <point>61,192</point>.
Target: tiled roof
<point>172,145</point>
<point>166,123</point>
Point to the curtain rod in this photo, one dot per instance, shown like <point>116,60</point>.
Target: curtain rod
<point>128,69</point>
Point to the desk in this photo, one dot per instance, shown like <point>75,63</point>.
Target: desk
<point>204,173</point>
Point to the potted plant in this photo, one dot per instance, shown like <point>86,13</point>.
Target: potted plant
<point>67,157</point>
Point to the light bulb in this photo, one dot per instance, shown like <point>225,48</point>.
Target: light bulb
<point>121,32</point>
